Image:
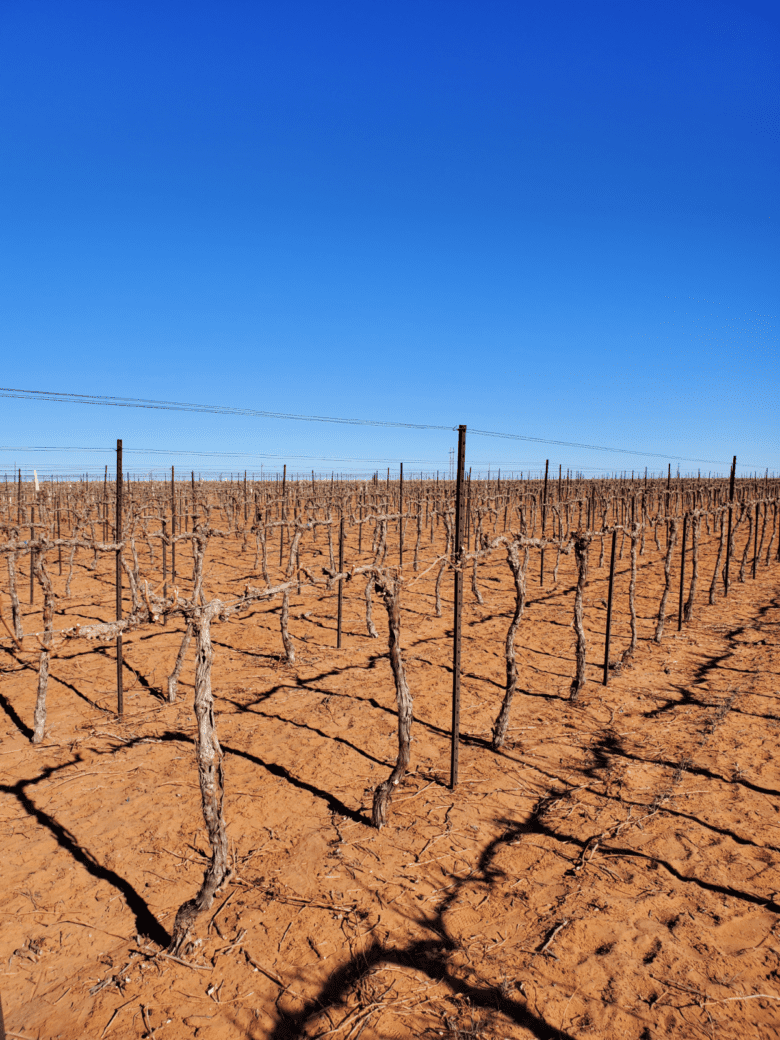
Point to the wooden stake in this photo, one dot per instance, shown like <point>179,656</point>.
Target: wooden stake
<point>120,700</point>
<point>457,557</point>
<point>609,607</point>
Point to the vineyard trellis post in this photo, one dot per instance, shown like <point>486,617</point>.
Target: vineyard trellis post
<point>457,558</point>
<point>120,706</point>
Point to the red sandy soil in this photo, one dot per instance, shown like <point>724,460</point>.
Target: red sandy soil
<point>613,872</point>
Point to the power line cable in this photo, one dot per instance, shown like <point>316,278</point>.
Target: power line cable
<point>57,397</point>
<point>217,454</point>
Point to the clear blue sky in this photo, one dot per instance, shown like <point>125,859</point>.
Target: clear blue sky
<point>556,219</point>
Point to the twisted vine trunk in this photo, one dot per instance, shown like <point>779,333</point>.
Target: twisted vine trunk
<point>256,530</point>
<point>330,545</point>
<point>557,565</point>
<point>16,611</point>
<point>731,538</point>
<point>263,542</point>
<point>688,608</point>
<point>173,678</point>
<point>772,535</point>
<point>149,544</point>
<point>369,619</point>
<point>655,535</point>
<point>670,544</point>
<point>581,545</point>
<point>209,754</point>
<point>474,586</point>
<point>477,542</point>
<point>558,550</point>
<point>632,592</point>
<point>289,647</point>
<point>71,558</point>
<point>518,574</point>
<point>443,564</point>
<point>419,536</point>
<point>93,565</point>
<point>750,515</point>
<point>763,532</point>
<point>284,619</point>
<point>718,560</point>
<point>44,581</point>
<point>133,577</point>
<point>378,547</point>
<point>199,543</point>
<point>390,590</point>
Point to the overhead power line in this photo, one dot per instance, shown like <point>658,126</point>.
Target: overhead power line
<point>214,409</point>
<point>172,452</point>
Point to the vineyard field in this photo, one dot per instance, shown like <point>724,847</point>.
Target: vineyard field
<point>612,869</point>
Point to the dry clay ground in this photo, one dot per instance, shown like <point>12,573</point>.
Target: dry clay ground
<point>613,872</point>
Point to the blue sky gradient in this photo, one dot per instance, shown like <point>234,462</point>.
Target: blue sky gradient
<point>556,219</point>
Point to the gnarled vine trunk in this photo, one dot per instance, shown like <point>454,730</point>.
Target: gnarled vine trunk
<point>48,626</point>
<point>670,544</point>
<point>173,678</point>
<point>518,574</point>
<point>718,560</point>
<point>390,590</point>
<point>209,754</point>
<point>688,608</point>
<point>581,545</point>
<point>16,610</point>
<point>751,519</point>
